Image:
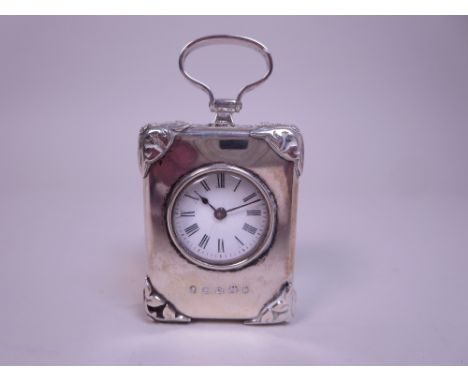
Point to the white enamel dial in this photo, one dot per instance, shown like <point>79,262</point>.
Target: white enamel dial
<point>221,217</point>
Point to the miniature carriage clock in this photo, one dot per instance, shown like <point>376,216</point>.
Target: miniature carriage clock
<point>220,211</point>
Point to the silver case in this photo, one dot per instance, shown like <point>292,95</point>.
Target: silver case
<point>178,290</point>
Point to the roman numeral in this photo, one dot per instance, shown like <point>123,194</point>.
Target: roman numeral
<point>237,185</point>
<point>187,213</point>
<point>249,228</point>
<point>254,212</point>
<point>239,240</point>
<point>192,229</point>
<point>248,197</point>
<point>221,179</point>
<point>205,185</point>
<point>204,241</point>
<point>190,196</point>
<point>220,245</point>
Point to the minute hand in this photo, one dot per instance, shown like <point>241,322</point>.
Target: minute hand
<point>246,204</point>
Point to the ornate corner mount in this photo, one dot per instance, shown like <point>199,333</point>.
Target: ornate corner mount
<point>154,142</point>
<point>279,309</point>
<point>158,308</point>
<point>285,140</point>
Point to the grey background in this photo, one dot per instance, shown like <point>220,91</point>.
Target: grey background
<point>382,238</point>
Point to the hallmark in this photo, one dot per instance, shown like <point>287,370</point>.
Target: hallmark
<point>220,290</point>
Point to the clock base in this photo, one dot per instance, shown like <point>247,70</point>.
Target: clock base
<point>279,309</point>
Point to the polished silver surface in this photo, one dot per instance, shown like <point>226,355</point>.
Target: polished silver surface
<point>267,196</point>
<point>278,310</point>
<point>209,294</point>
<point>224,108</point>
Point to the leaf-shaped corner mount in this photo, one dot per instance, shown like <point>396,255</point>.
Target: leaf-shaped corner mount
<point>285,140</point>
<point>279,309</point>
<point>155,140</point>
<point>160,309</point>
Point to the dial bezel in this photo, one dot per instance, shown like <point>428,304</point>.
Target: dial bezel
<point>213,168</point>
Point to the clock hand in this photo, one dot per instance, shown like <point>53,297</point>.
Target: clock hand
<point>243,205</point>
<point>205,201</point>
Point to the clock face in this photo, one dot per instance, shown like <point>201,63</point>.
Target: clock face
<point>221,217</point>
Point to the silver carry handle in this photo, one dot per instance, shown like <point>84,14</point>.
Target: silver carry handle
<point>224,108</point>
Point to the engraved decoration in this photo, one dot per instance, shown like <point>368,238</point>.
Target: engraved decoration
<point>285,140</point>
<point>158,308</point>
<point>155,140</point>
<point>279,309</point>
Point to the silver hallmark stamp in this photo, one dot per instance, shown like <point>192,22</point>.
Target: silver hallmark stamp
<point>232,289</point>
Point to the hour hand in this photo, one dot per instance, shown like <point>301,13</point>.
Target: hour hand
<point>205,201</point>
